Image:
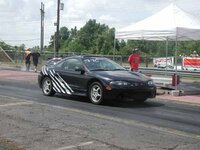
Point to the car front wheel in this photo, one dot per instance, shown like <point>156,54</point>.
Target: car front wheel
<point>96,93</point>
<point>47,87</point>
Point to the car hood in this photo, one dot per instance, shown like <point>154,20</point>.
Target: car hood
<point>122,75</point>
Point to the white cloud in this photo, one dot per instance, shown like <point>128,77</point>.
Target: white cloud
<point>107,19</point>
<point>2,3</point>
<point>20,19</point>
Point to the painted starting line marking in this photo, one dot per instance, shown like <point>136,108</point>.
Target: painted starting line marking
<point>75,146</point>
<point>15,104</point>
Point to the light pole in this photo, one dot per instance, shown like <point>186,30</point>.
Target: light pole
<point>57,29</point>
<point>57,42</point>
<point>42,28</point>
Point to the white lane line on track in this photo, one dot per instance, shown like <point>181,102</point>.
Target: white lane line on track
<point>75,146</point>
<point>15,104</point>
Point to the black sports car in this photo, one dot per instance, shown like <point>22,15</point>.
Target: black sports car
<point>98,78</point>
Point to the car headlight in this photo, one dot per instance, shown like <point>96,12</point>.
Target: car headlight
<point>120,83</point>
<point>150,83</point>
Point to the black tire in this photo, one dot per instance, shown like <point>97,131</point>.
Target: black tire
<point>96,93</point>
<point>47,87</point>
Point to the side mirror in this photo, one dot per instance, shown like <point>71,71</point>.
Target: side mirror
<point>80,69</point>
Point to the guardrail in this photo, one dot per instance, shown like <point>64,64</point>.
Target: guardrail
<point>170,72</point>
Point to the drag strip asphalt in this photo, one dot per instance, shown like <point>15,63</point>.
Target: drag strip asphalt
<point>175,116</point>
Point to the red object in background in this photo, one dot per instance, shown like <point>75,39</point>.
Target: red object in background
<point>191,62</point>
<point>175,79</point>
<point>134,60</point>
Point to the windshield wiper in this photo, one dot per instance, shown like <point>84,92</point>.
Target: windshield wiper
<point>98,69</point>
<point>118,69</point>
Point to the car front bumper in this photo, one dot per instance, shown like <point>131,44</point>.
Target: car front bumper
<point>147,92</point>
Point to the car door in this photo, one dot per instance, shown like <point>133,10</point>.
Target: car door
<point>76,79</point>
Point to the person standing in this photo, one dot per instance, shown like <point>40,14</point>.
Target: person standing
<point>134,60</point>
<point>194,54</point>
<point>27,59</point>
<point>35,56</point>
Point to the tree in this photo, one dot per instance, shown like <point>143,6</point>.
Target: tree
<point>5,46</point>
<point>98,38</point>
<point>64,33</point>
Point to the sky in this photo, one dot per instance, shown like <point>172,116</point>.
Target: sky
<point>20,19</point>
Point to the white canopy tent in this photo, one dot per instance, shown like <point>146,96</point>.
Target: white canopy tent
<point>171,23</point>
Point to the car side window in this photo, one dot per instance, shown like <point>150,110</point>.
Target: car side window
<point>71,64</point>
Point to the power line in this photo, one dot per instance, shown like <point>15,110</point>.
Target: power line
<point>10,21</point>
<point>21,40</point>
<point>12,40</point>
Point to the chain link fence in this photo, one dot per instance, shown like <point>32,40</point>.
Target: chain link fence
<point>18,58</point>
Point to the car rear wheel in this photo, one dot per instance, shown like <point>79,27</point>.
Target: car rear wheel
<point>96,93</point>
<point>47,87</point>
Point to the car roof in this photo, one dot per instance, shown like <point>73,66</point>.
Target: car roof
<point>84,56</point>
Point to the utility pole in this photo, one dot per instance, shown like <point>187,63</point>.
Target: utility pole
<point>42,28</point>
<point>57,28</point>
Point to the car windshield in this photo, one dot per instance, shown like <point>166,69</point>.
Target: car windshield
<point>53,61</point>
<point>101,64</point>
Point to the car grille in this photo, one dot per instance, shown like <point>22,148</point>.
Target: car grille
<point>138,84</point>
